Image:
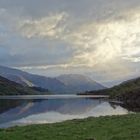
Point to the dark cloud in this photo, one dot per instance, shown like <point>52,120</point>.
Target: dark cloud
<point>82,8</point>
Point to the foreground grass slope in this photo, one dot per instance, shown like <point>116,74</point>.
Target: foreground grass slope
<point>125,127</point>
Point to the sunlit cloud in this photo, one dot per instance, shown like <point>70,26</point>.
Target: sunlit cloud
<point>106,45</point>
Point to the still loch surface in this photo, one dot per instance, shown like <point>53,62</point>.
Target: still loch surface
<point>24,110</point>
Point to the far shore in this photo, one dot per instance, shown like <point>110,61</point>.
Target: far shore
<point>55,96</point>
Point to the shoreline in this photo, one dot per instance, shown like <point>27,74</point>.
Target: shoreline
<point>55,96</point>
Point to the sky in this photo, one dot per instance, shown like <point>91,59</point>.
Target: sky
<point>98,38</point>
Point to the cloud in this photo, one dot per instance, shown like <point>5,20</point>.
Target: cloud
<point>60,36</point>
<point>95,42</point>
<point>100,45</point>
<point>108,40</point>
<point>49,27</point>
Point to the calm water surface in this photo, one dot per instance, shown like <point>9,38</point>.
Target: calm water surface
<point>24,110</point>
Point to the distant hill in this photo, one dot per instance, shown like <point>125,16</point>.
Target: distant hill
<point>8,87</point>
<point>79,83</point>
<point>64,84</point>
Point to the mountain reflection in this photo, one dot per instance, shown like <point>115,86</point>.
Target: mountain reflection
<point>22,112</point>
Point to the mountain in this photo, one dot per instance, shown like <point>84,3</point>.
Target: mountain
<point>19,79</point>
<point>8,87</point>
<point>15,75</point>
<point>78,83</point>
<point>64,84</point>
<point>31,80</point>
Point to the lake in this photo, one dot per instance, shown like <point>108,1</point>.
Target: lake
<point>24,110</point>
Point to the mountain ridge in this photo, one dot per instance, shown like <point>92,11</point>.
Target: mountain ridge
<point>79,82</point>
<point>54,85</point>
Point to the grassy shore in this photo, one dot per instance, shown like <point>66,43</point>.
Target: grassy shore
<point>125,127</point>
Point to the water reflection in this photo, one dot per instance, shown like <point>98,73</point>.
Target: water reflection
<point>22,112</point>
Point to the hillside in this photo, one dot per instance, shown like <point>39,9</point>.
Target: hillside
<point>128,92</point>
<point>8,87</point>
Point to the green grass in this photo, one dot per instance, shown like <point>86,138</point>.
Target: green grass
<point>125,127</point>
